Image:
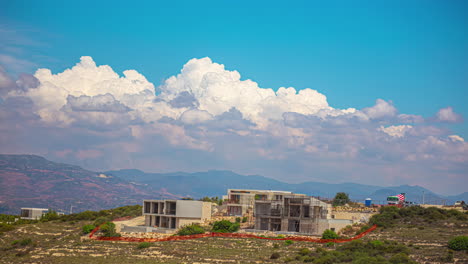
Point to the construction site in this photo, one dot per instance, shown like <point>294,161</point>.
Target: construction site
<point>300,214</point>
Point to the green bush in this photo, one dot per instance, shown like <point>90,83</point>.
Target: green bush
<point>225,226</point>
<point>288,242</point>
<point>49,216</point>
<point>238,219</point>
<point>143,245</point>
<point>244,219</point>
<point>458,243</point>
<point>329,234</point>
<point>108,230</point>
<point>86,229</point>
<point>22,242</point>
<point>191,229</point>
<point>275,255</point>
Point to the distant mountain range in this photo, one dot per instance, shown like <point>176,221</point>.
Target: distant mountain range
<point>215,183</point>
<point>33,181</point>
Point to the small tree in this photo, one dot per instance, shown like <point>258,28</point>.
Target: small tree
<point>341,198</point>
<point>87,229</point>
<point>49,216</point>
<point>329,234</point>
<point>191,229</point>
<point>225,226</point>
<point>108,229</point>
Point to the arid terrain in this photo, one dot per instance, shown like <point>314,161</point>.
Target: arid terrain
<point>62,242</point>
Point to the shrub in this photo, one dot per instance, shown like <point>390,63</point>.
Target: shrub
<point>49,216</point>
<point>22,242</point>
<point>244,219</point>
<point>143,245</point>
<point>191,229</point>
<point>288,242</point>
<point>400,258</point>
<point>275,245</point>
<point>275,255</point>
<point>329,244</point>
<point>329,234</point>
<point>225,226</point>
<point>86,229</point>
<point>108,229</point>
<point>238,219</point>
<point>304,251</point>
<point>458,243</point>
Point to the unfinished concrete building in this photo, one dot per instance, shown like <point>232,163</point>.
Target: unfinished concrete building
<point>299,214</point>
<point>242,201</point>
<point>173,214</point>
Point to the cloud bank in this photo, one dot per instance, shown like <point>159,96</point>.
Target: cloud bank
<point>207,117</point>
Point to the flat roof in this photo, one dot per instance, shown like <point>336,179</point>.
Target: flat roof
<point>25,208</point>
<point>252,190</point>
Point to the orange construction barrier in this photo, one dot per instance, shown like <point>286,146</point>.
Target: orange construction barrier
<point>231,235</point>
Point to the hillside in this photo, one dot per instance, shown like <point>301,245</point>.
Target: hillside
<point>411,234</point>
<point>33,181</point>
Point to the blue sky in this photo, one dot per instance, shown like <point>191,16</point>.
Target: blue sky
<point>412,53</point>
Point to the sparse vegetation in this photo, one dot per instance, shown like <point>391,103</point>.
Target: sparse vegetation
<point>6,227</point>
<point>191,229</point>
<point>216,200</point>
<point>389,216</point>
<point>358,252</point>
<point>143,245</point>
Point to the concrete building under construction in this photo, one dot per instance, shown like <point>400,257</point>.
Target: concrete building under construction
<point>292,213</point>
<point>242,201</point>
<point>172,214</point>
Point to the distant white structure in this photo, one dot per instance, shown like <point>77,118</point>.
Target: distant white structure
<point>173,214</point>
<point>32,213</point>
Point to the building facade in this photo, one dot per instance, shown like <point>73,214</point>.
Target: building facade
<point>242,201</point>
<point>32,213</point>
<point>292,213</point>
<point>173,214</point>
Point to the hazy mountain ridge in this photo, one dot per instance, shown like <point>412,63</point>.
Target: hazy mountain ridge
<point>215,183</point>
<point>33,181</point>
